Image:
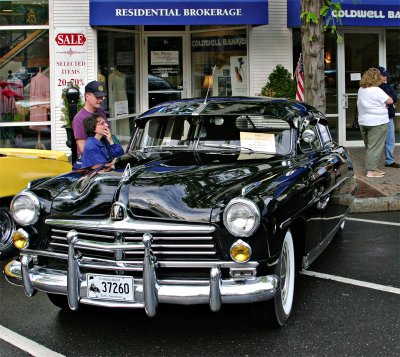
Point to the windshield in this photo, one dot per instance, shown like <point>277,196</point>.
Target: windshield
<point>245,133</point>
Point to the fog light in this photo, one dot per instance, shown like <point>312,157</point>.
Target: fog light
<point>20,239</point>
<point>240,251</point>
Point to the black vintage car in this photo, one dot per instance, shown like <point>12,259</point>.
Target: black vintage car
<point>215,202</point>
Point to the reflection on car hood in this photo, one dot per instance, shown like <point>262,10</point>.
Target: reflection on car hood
<point>179,186</point>
<point>187,187</point>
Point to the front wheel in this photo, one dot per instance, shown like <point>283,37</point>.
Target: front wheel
<point>276,312</point>
<point>7,227</point>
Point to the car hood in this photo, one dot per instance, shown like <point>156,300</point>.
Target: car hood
<point>181,187</point>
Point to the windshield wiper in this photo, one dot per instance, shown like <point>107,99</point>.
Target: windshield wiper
<point>163,147</point>
<point>227,146</point>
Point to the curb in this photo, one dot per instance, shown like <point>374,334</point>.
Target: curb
<point>375,204</point>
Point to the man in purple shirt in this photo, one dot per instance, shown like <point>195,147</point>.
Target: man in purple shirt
<point>94,96</point>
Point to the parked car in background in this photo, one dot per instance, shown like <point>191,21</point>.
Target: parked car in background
<point>18,168</point>
<point>160,90</point>
<point>215,202</point>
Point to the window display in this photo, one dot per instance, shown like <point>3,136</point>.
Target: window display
<point>117,91</point>
<point>24,89</point>
<point>24,13</point>
<point>219,63</point>
<point>117,69</point>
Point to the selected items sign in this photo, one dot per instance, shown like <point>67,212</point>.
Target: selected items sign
<point>70,59</point>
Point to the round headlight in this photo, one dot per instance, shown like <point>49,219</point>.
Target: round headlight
<point>241,217</point>
<point>25,208</point>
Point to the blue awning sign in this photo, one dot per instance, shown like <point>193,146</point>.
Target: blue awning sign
<point>375,13</point>
<point>173,12</point>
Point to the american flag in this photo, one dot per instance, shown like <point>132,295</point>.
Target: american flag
<point>299,75</point>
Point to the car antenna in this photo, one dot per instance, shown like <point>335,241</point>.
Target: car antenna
<point>210,84</point>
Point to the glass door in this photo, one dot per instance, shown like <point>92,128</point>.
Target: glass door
<point>165,68</point>
<point>359,51</point>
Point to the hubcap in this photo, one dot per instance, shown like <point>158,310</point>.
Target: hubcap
<point>285,273</point>
<point>6,228</point>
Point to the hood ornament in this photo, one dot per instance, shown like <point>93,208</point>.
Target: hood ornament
<point>118,211</point>
<point>127,173</point>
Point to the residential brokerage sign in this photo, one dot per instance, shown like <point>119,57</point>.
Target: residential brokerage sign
<point>378,13</point>
<point>173,12</point>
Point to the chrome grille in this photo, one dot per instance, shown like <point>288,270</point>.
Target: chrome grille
<point>166,246</point>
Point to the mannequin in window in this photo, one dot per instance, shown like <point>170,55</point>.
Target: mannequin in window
<point>116,89</point>
<point>40,102</point>
<point>100,76</point>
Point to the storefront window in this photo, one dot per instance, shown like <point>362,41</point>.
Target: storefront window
<point>19,12</point>
<point>330,62</point>
<point>219,63</point>
<point>24,88</point>
<point>393,67</point>
<point>117,53</point>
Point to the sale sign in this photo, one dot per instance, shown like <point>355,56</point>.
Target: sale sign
<point>70,39</point>
<point>70,59</point>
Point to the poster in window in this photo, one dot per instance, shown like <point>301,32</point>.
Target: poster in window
<point>163,58</point>
<point>239,75</point>
<point>224,86</point>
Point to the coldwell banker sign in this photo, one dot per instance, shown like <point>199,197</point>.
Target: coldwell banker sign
<point>378,13</point>
<point>183,12</point>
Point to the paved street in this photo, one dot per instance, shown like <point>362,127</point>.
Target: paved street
<point>331,318</point>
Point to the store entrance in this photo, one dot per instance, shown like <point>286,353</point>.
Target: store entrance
<point>359,51</point>
<point>165,69</point>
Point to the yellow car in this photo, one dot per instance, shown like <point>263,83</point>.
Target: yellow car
<point>17,168</point>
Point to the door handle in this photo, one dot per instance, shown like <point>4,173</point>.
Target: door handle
<point>345,101</point>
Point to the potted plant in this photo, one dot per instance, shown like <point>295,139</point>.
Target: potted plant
<point>280,84</point>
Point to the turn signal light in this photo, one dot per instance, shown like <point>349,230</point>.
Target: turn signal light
<point>240,251</point>
<point>20,239</point>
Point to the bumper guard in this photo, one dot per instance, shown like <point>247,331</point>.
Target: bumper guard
<point>149,291</point>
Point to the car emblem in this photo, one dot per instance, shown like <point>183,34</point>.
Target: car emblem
<point>118,211</point>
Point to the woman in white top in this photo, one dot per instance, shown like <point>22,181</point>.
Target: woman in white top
<point>373,119</point>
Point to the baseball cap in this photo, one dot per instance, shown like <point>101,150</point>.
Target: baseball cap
<point>383,71</point>
<point>95,87</point>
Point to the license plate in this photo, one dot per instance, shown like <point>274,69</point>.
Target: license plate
<point>110,287</point>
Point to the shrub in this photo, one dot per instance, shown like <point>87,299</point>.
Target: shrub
<point>280,84</point>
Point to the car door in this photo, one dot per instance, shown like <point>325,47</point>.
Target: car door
<point>310,146</point>
<point>336,166</point>
<point>328,167</point>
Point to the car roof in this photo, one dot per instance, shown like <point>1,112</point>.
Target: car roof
<point>231,106</point>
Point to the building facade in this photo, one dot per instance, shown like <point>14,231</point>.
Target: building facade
<point>174,49</point>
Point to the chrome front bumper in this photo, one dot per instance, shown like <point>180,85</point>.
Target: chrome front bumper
<point>149,291</point>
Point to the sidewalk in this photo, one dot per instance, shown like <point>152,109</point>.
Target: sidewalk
<point>375,194</point>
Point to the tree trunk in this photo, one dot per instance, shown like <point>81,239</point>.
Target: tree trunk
<point>312,43</point>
